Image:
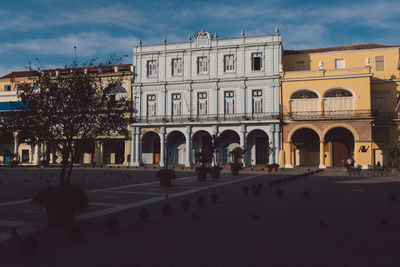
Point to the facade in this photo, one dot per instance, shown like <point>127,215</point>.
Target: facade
<point>184,93</point>
<point>102,151</point>
<point>339,102</point>
<point>15,144</point>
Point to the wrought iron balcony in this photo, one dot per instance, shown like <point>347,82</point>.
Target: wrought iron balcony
<point>341,115</point>
<point>208,117</point>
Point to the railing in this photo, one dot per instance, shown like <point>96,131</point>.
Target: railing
<point>208,117</point>
<point>341,115</point>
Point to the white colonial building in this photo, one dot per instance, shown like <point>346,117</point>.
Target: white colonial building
<point>184,93</point>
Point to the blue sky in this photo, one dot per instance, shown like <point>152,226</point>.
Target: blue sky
<point>49,29</point>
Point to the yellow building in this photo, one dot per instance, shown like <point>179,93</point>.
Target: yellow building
<point>102,151</point>
<point>339,102</point>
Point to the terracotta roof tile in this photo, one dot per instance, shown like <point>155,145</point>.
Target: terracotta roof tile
<point>20,74</point>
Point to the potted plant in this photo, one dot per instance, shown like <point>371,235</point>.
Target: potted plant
<point>236,164</point>
<point>202,157</point>
<point>62,203</point>
<point>166,176</point>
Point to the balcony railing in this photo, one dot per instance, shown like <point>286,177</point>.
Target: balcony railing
<point>208,117</point>
<point>341,115</point>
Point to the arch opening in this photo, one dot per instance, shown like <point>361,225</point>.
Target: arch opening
<point>257,148</point>
<point>341,144</point>
<point>305,148</point>
<point>151,148</point>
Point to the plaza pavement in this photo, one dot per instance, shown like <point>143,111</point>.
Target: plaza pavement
<point>348,221</point>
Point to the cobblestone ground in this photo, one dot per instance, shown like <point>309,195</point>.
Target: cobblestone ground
<point>347,221</point>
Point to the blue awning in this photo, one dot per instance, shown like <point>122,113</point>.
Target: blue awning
<point>7,106</point>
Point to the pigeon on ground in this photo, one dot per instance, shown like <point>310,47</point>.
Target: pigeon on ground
<point>255,216</point>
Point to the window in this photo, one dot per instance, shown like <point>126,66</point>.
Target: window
<point>202,103</point>
<point>7,87</point>
<point>300,65</point>
<point>339,63</point>
<point>151,68</point>
<point>176,105</point>
<point>19,87</point>
<point>35,86</point>
<point>256,61</point>
<point>151,105</point>
<point>176,66</point>
<point>229,63</point>
<point>202,65</point>
<point>380,63</point>
<point>257,101</point>
<point>229,102</point>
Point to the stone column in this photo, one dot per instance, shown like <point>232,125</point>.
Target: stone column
<point>36,155</point>
<point>277,142</point>
<point>188,136</point>
<point>216,133</point>
<point>15,146</point>
<point>137,148</point>
<point>243,142</point>
<point>289,154</point>
<point>99,153</point>
<point>162,147</point>
<point>133,146</point>
<point>322,154</point>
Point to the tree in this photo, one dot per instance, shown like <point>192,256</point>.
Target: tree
<point>78,103</point>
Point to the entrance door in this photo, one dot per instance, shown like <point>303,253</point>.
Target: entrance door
<point>339,153</point>
<point>157,153</point>
<point>25,155</point>
<point>261,155</point>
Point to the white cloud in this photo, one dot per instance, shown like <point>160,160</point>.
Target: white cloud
<point>88,44</point>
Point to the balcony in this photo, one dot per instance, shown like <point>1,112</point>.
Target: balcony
<point>341,115</point>
<point>209,118</point>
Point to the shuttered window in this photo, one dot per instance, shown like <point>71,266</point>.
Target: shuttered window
<point>379,63</point>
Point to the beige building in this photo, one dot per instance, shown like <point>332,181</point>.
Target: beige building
<point>339,102</point>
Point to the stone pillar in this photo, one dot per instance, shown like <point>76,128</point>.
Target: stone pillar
<point>36,155</point>
<point>15,146</point>
<point>289,155</point>
<point>276,145</point>
<point>98,152</point>
<point>162,147</point>
<point>216,133</point>
<point>133,146</point>
<point>137,161</point>
<point>322,154</point>
<point>188,136</point>
<point>243,142</point>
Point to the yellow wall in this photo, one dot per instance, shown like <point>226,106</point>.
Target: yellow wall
<point>363,81</point>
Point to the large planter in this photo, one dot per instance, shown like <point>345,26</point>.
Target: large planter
<point>62,203</point>
<point>60,213</point>
<point>166,176</point>
<point>235,168</point>
<point>267,169</point>
<point>201,173</point>
<point>215,172</point>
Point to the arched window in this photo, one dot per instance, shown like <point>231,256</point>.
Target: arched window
<point>338,92</point>
<point>304,104</point>
<point>338,103</point>
<point>302,94</point>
